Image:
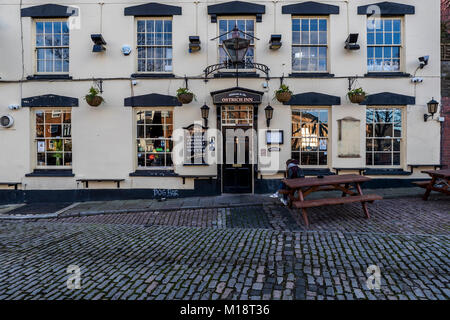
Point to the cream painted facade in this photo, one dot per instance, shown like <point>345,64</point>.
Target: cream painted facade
<point>104,138</point>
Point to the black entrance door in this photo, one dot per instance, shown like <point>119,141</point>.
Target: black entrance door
<point>237,166</point>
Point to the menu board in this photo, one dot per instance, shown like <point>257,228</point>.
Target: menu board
<point>195,144</point>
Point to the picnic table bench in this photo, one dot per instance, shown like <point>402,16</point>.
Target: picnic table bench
<point>440,182</point>
<point>345,183</point>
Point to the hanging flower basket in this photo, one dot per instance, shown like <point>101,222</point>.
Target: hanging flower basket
<point>357,95</point>
<point>357,98</point>
<point>283,94</point>
<point>94,101</point>
<point>184,95</point>
<point>92,98</point>
<point>185,98</point>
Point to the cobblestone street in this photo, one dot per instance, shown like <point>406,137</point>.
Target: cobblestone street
<point>252,252</point>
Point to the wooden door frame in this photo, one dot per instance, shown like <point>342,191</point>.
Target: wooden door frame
<point>254,170</point>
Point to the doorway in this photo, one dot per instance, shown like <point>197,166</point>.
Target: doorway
<point>238,140</point>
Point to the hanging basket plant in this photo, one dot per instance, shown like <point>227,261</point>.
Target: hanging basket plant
<point>283,94</point>
<point>184,95</point>
<point>357,95</point>
<point>92,98</point>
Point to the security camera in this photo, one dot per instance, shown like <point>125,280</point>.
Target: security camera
<point>13,107</point>
<point>423,61</point>
<point>134,82</point>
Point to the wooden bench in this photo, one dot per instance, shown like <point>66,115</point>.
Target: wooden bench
<point>86,181</point>
<point>422,184</point>
<point>11,184</point>
<point>334,201</point>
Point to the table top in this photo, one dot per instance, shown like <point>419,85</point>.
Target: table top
<point>438,173</point>
<point>326,180</point>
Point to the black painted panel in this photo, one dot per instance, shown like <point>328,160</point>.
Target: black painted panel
<point>50,100</point>
<point>388,9</point>
<point>313,99</point>
<point>49,11</point>
<point>388,99</point>
<point>310,8</point>
<point>152,100</point>
<point>152,9</point>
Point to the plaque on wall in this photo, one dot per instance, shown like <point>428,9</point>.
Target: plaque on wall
<point>195,144</point>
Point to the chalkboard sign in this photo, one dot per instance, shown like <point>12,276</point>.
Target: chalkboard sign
<point>195,144</point>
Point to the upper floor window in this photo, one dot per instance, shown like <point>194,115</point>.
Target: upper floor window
<point>154,138</point>
<point>154,45</point>
<point>54,137</point>
<point>309,44</point>
<point>383,136</point>
<point>52,46</point>
<point>309,142</point>
<point>245,25</point>
<point>384,40</point>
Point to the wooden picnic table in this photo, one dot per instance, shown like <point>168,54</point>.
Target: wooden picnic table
<point>440,182</point>
<point>305,186</point>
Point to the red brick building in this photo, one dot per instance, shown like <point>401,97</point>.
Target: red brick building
<point>445,18</point>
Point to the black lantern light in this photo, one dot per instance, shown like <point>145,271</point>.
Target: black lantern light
<point>433,106</point>
<point>269,114</point>
<point>236,47</point>
<point>205,114</point>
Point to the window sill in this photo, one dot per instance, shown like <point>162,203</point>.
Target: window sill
<point>233,75</point>
<point>386,172</point>
<point>195,165</point>
<point>49,77</point>
<point>387,75</point>
<point>311,75</point>
<point>51,173</point>
<point>154,173</point>
<point>152,75</point>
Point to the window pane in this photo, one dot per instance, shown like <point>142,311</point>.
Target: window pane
<point>382,159</point>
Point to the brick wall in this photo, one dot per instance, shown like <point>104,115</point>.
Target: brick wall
<point>445,142</point>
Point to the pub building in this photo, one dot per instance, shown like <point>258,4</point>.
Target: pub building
<point>60,141</point>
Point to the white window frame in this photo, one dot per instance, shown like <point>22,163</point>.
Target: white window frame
<point>401,138</point>
<point>137,46</point>
<point>328,154</point>
<point>327,45</point>
<point>135,144</point>
<point>401,46</point>
<point>35,47</point>
<point>252,45</point>
<point>35,139</point>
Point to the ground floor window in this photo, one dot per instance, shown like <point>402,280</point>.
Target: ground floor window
<point>54,138</point>
<point>309,141</point>
<point>154,138</point>
<point>383,136</point>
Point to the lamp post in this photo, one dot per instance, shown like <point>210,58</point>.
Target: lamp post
<point>205,114</point>
<point>269,114</point>
<point>433,106</point>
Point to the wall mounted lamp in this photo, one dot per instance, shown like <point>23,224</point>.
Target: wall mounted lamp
<point>433,106</point>
<point>269,114</point>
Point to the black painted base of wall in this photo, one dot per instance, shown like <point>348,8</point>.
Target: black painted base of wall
<point>201,188</point>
